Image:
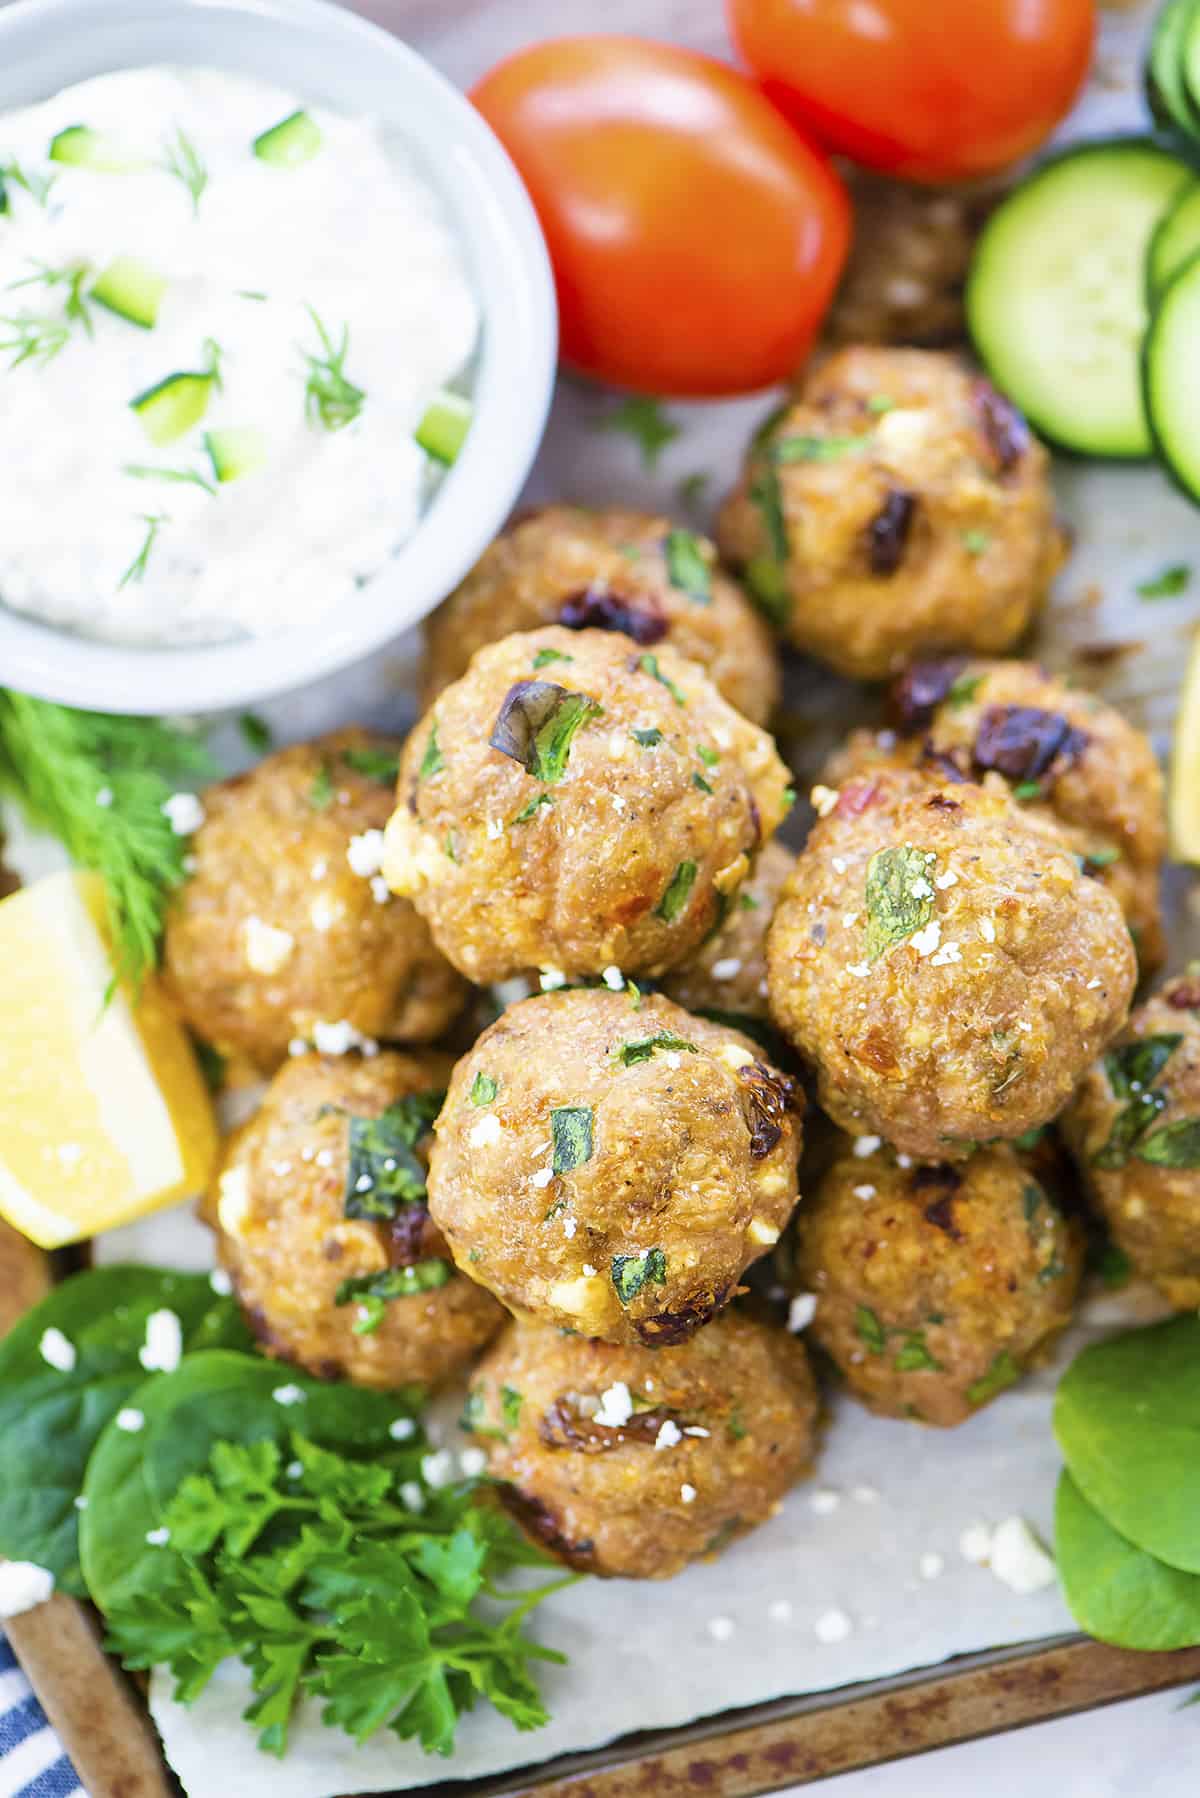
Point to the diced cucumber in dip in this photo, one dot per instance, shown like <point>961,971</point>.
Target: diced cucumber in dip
<point>132,290</point>
<point>1056,297</point>
<point>443,429</point>
<point>245,364</point>
<point>234,453</point>
<point>294,140</point>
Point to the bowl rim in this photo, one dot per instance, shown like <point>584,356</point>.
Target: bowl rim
<point>512,391</point>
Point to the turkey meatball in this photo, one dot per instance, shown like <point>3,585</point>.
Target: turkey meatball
<point>936,1286</point>
<point>322,1224</point>
<point>630,1463</point>
<point>942,959</point>
<point>900,507</point>
<point>1060,751</point>
<point>729,974</point>
<point>1134,1129</point>
<point>578,803</point>
<point>285,929</point>
<point>611,1164</point>
<point>611,570</point>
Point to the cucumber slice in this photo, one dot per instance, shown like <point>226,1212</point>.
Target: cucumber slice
<point>1176,240</point>
<point>1171,376</point>
<point>132,290</point>
<point>1164,67</point>
<point>1056,295</point>
<point>294,140</point>
<point>444,426</point>
<point>234,453</point>
<point>173,407</point>
<point>1188,36</point>
<point>79,147</point>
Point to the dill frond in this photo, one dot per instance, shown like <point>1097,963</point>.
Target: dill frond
<point>328,394</point>
<point>182,159</point>
<point>136,571</point>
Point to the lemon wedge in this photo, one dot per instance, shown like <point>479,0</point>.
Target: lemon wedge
<point>104,1115</point>
<point>1183,804</point>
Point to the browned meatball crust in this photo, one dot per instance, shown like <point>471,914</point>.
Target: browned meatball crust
<point>577,803</point>
<point>612,1164</point>
<point>936,1286</point>
<point>631,1462</point>
<point>612,570</point>
<point>900,507</point>
<point>1061,751</point>
<point>1134,1129</point>
<point>276,932</point>
<point>729,973</point>
<point>908,263</point>
<point>942,959</point>
<point>322,1224</point>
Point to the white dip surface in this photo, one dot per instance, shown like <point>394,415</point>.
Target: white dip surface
<point>355,233</point>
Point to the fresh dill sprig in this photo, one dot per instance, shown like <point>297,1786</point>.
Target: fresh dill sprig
<point>35,185</point>
<point>33,338</point>
<point>153,522</point>
<point>145,471</point>
<point>72,276</point>
<point>328,395</point>
<point>99,784</point>
<point>182,159</point>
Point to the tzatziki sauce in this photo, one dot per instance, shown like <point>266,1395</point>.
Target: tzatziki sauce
<point>225,314</point>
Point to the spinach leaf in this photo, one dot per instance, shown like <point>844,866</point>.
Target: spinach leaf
<point>868,1329</point>
<point>382,765</point>
<point>1134,1067</point>
<point>899,896</point>
<point>1128,1125</point>
<point>650,665</point>
<point>1127,1417</point>
<point>687,566</point>
<point>373,1293</point>
<point>537,724</point>
<point>1117,1592</point>
<point>663,1041</point>
<point>384,1171</point>
<point>678,891</point>
<point>914,1356</point>
<point>649,739</point>
<point>544,657</point>
<point>1175,1145</point>
<point>1003,1373</point>
<point>571,1128</point>
<point>815,449</point>
<point>630,1273</point>
<point>433,761</point>
<point>51,1417</point>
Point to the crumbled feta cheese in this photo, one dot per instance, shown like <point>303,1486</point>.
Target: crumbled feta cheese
<point>687,1494</point>
<point>823,799</point>
<point>616,1406</point>
<point>324,913</point>
<point>163,1347</point>
<point>1019,1559</point>
<point>987,930</point>
<point>832,1626</point>
<point>780,1610</point>
<point>692,1429</point>
<point>488,1130</point>
<point>130,1420</point>
<point>233,1200</point>
<point>158,1538</point>
<point>864,1192</point>
<point>570,1225</point>
<point>926,941</point>
<point>727,969</point>
<point>673,1060</point>
<point>543,1176</point>
<point>931,1565</point>
<point>411,1496</point>
<point>866,1145</point>
<point>946,954</point>
<point>23,1586</point>
<point>340,1038</point>
<point>801,1311</point>
<point>1092,985</point>
<point>365,853</point>
<point>734,1056</point>
<point>838,864</point>
<point>437,1469</point>
<point>849,918</point>
<point>614,980</point>
<point>975,1544</point>
<point>220,1282</point>
<point>669,1434</point>
<point>825,1502</point>
<point>266,949</point>
<point>298,1045</point>
<point>589,1272</point>
<point>288,1395</point>
<point>904,1161</point>
<point>381,892</point>
<point>184,813</point>
<point>402,1429</point>
<point>473,1462</point>
<point>550,979</point>
<point>947,879</point>
<point>762,1233</point>
<point>495,829</point>
<point>859,969</point>
<point>319,869</point>
<point>720,1628</point>
<point>920,888</point>
<point>57,1350</point>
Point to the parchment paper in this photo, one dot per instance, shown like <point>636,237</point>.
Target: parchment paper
<point>888,1495</point>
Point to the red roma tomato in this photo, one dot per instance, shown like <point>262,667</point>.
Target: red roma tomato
<point>934,90</point>
<point>696,237</point>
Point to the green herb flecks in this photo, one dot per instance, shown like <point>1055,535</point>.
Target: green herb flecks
<point>899,896</point>
<point>484,1088</point>
<point>869,1330</point>
<point>914,1356</point>
<point>644,420</point>
<point>1002,1373</point>
<point>688,566</point>
<point>433,761</point>
<point>674,901</point>
<point>1168,584</point>
<point>320,793</point>
<point>765,573</point>
<point>532,807</point>
<point>330,398</point>
<point>649,739</point>
<point>37,186</point>
<point>71,278</point>
<point>136,571</point>
<point>649,664</point>
<point>976,542</point>
<point>537,724</point>
<point>184,477</point>
<point>692,488</point>
<point>384,1172</point>
<point>373,1293</point>
<point>880,403</point>
<point>183,161</point>
<point>1174,1145</point>
<point>662,1042</point>
<point>964,690</point>
<point>545,657</point>
<point>1114,1266</point>
<point>1132,1070</point>
<point>60,765</point>
<point>571,1133</point>
<point>632,1273</point>
<point>815,449</point>
<point>1027,789</point>
<point>510,1406</point>
<point>381,765</point>
<point>701,785</point>
<point>30,338</point>
<point>709,757</point>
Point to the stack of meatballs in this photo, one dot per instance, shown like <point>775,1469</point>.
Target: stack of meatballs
<point>586,815</point>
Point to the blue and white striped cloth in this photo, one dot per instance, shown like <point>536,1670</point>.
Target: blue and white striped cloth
<point>32,1763</point>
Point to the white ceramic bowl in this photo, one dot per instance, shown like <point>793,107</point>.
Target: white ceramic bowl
<point>330,56</point>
